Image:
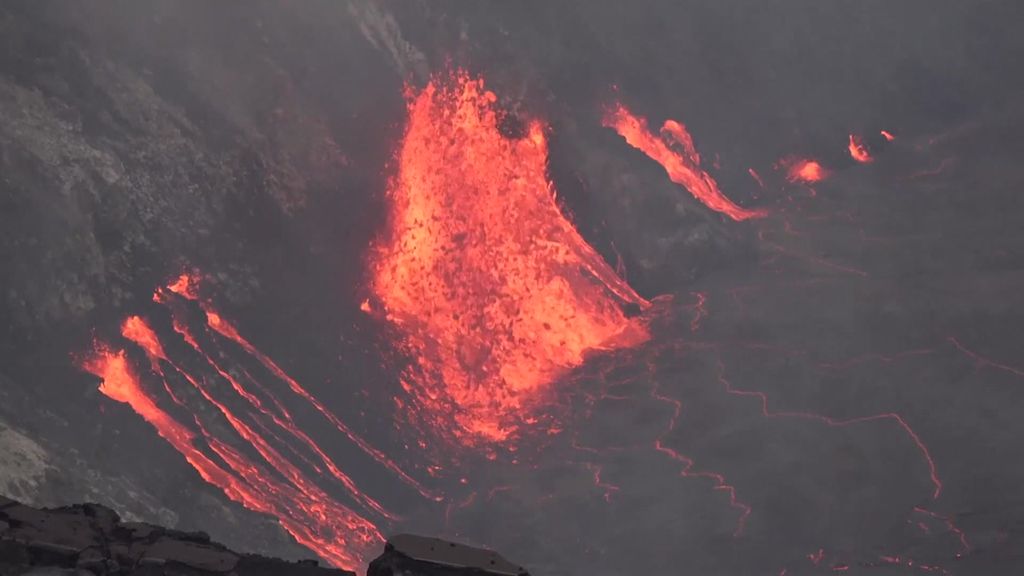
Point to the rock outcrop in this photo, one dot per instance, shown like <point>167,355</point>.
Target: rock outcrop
<point>91,540</point>
<point>407,554</point>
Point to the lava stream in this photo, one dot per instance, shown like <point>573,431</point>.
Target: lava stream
<point>136,330</point>
<point>333,531</point>
<point>494,293</point>
<point>676,153</point>
<point>718,480</point>
<point>933,475</point>
<point>186,286</point>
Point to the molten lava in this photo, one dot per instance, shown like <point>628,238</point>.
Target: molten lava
<point>858,151</point>
<point>493,291</point>
<point>315,520</point>
<point>184,286</point>
<point>675,151</point>
<point>804,170</point>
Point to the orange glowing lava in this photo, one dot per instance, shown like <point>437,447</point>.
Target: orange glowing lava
<point>185,286</point>
<point>858,151</point>
<point>803,170</point>
<point>315,520</point>
<point>494,292</point>
<point>675,151</point>
<point>135,329</point>
<point>888,135</point>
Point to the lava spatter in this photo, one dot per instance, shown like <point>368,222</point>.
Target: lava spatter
<point>804,170</point>
<point>858,151</point>
<point>492,290</point>
<point>676,153</point>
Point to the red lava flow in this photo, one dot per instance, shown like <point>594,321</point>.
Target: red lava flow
<point>493,291</point>
<point>332,530</point>
<point>272,483</point>
<point>186,287</point>
<point>676,153</point>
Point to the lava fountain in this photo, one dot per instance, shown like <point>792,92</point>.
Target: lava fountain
<point>493,292</point>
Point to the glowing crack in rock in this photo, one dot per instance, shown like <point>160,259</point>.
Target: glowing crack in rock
<point>676,153</point>
<point>494,293</point>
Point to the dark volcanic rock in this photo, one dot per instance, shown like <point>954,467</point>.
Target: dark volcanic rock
<point>90,539</point>
<point>410,555</point>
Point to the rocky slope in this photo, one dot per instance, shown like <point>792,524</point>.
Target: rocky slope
<point>91,540</point>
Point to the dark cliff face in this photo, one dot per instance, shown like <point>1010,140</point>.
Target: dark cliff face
<point>90,539</point>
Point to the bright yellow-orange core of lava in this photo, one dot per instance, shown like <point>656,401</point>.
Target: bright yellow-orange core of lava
<point>493,290</point>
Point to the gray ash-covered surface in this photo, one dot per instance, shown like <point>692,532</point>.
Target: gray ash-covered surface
<point>252,140</point>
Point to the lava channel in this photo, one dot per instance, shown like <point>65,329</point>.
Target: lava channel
<point>494,294</point>
<point>676,153</point>
<point>186,286</point>
<point>316,521</point>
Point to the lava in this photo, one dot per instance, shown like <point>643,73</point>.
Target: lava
<point>804,170</point>
<point>718,480</point>
<point>271,483</point>
<point>120,383</point>
<point>284,422</point>
<point>336,533</point>
<point>185,286</point>
<point>983,361</point>
<point>933,475</point>
<point>676,153</point>
<point>888,135</point>
<point>757,177</point>
<point>858,151</point>
<point>492,290</point>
